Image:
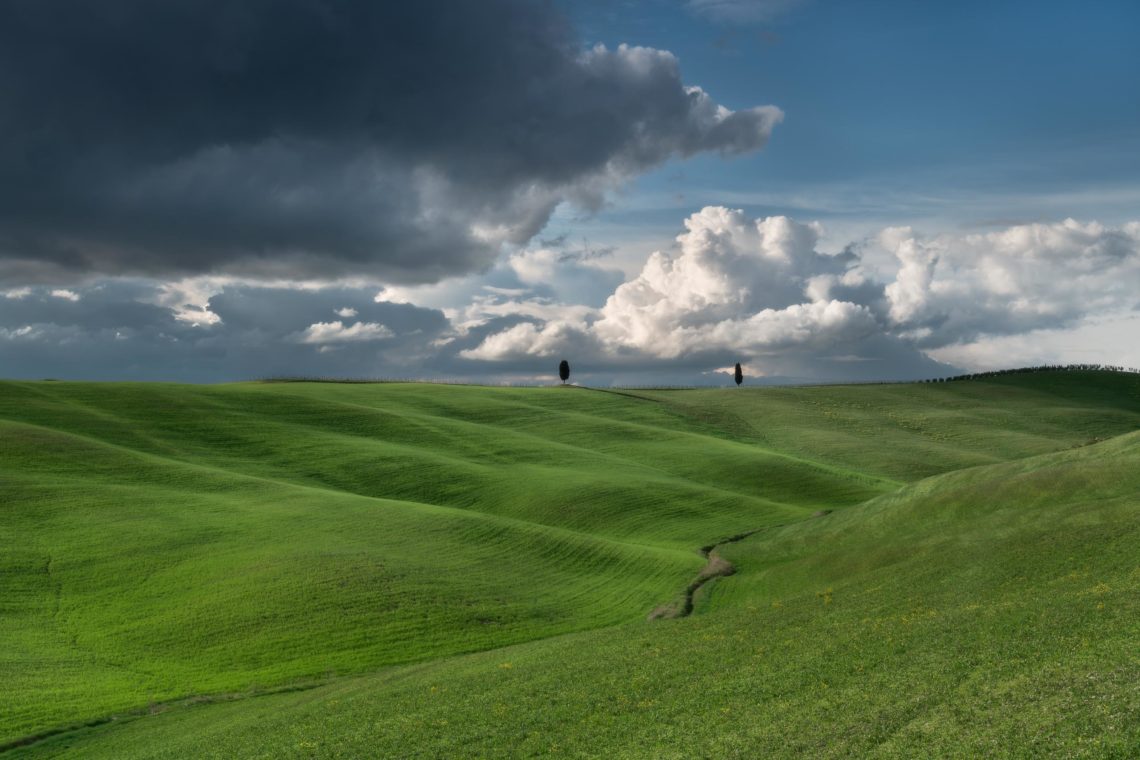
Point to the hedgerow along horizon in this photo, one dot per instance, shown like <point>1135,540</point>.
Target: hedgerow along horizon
<point>981,374</point>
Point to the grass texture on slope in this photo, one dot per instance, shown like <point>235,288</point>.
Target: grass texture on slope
<point>143,580</point>
<point>986,613</point>
<point>173,541</point>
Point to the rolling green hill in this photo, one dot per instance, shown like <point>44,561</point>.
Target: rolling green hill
<point>316,569</point>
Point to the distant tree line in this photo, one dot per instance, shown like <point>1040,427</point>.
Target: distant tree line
<point>1040,368</point>
<point>564,373</point>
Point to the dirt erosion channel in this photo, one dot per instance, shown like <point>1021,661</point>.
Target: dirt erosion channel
<point>716,566</point>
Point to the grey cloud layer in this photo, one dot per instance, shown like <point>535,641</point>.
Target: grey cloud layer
<point>289,138</point>
<point>115,331</point>
<point>734,289</point>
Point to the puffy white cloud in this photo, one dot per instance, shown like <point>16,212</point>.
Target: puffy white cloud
<point>1110,339</point>
<point>535,266</point>
<point>579,275</point>
<point>909,293</point>
<point>528,339</point>
<point>15,333</point>
<point>487,307</point>
<point>337,332</point>
<point>66,295</point>
<point>753,288</point>
<point>953,289</point>
<point>346,312</point>
<point>188,299</point>
<point>736,282</point>
<point>821,324</point>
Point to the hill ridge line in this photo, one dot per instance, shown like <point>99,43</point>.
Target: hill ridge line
<point>697,434</point>
<point>405,414</point>
<point>473,514</point>
<point>224,471</point>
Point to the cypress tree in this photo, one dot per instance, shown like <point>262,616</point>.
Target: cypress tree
<point>564,370</point>
<point>738,375</point>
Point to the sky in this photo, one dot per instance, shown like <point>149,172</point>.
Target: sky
<point>473,190</point>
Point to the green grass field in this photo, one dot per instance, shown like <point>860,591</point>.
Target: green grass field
<point>407,570</point>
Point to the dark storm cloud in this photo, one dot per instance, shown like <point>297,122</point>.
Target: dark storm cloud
<point>102,307</point>
<point>317,138</point>
<point>111,333</point>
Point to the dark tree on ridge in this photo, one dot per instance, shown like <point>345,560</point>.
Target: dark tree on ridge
<point>738,375</point>
<point>564,370</point>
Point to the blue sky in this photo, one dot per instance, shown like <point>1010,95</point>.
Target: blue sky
<point>898,102</point>
<point>208,190</point>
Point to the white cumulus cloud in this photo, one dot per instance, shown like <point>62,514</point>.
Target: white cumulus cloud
<point>748,288</point>
<point>338,332</point>
<point>736,282</point>
<point>27,331</point>
<point>528,339</point>
<point>953,289</point>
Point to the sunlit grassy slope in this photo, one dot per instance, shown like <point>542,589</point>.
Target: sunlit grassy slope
<point>974,591</point>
